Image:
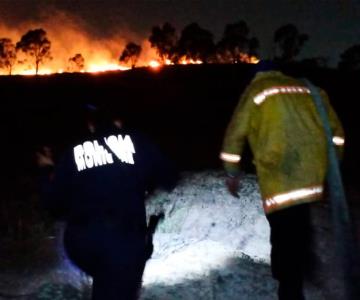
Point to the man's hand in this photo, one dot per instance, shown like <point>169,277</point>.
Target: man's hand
<point>44,158</point>
<point>153,223</point>
<point>232,184</point>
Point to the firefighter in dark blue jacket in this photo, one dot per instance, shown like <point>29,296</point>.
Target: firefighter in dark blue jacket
<point>99,188</point>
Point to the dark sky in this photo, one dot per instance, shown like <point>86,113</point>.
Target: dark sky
<point>333,25</point>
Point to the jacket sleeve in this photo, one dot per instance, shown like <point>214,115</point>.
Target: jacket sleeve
<point>336,126</point>
<point>55,190</point>
<point>164,173</point>
<point>236,134</point>
<point>160,171</point>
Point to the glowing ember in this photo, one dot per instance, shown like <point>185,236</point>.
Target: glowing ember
<point>95,68</point>
<point>186,61</point>
<point>154,64</point>
<point>105,66</point>
<point>254,60</point>
<point>183,61</point>
<point>248,58</point>
<point>196,62</point>
<point>33,72</point>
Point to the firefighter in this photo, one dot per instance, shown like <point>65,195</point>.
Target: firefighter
<point>277,118</point>
<point>99,188</point>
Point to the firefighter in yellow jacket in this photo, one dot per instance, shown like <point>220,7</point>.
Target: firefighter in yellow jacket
<point>277,117</point>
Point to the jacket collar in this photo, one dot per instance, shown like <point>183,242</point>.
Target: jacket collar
<point>266,74</point>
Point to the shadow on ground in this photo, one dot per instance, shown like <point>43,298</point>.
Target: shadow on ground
<point>240,276</point>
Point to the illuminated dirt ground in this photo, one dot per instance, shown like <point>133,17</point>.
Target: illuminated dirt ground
<point>210,246</point>
<point>214,246</point>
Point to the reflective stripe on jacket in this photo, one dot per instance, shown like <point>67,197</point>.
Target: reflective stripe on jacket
<point>276,115</point>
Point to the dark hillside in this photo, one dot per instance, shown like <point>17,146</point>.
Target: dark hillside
<point>184,108</point>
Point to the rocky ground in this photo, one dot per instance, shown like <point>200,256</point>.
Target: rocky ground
<point>210,246</point>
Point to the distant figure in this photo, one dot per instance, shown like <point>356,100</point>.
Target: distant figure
<point>98,188</point>
<point>277,116</point>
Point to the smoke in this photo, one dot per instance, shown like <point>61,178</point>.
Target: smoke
<point>70,35</point>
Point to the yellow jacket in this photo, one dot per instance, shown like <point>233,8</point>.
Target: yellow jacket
<point>277,116</point>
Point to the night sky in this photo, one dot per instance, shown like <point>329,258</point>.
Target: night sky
<point>333,25</point>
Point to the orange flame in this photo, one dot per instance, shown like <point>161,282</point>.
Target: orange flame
<point>186,61</point>
<point>100,55</point>
<point>154,64</point>
<point>103,67</point>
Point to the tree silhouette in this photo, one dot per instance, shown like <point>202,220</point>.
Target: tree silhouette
<point>315,62</point>
<point>76,63</point>
<point>35,44</point>
<point>288,42</point>
<point>254,45</point>
<point>236,44</point>
<point>164,40</point>
<point>196,43</point>
<point>131,54</point>
<point>7,54</point>
<point>350,58</point>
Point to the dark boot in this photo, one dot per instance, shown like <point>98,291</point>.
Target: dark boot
<point>290,290</point>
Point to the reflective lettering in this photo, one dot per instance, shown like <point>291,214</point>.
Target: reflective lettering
<point>79,157</point>
<point>129,149</point>
<point>89,154</point>
<point>123,148</point>
<point>99,154</point>
<point>92,154</point>
<point>109,158</point>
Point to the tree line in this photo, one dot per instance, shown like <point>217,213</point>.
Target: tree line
<point>192,43</point>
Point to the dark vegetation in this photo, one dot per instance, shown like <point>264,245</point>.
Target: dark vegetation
<point>193,42</point>
<point>185,109</point>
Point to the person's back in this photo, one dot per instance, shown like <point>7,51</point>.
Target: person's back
<point>112,166</point>
<point>286,137</point>
<point>99,189</point>
<point>278,117</point>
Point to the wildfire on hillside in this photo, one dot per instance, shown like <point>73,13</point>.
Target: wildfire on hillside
<point>104,66</point>
<point>72,49</point>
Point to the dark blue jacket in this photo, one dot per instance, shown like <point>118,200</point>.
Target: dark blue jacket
<point>105,177</point>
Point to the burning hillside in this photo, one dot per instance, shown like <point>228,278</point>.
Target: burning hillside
<point>68,37</point>
<point>62,44</point>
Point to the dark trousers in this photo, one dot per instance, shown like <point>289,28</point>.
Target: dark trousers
<point>115,260</point>
<point>290,239</point>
